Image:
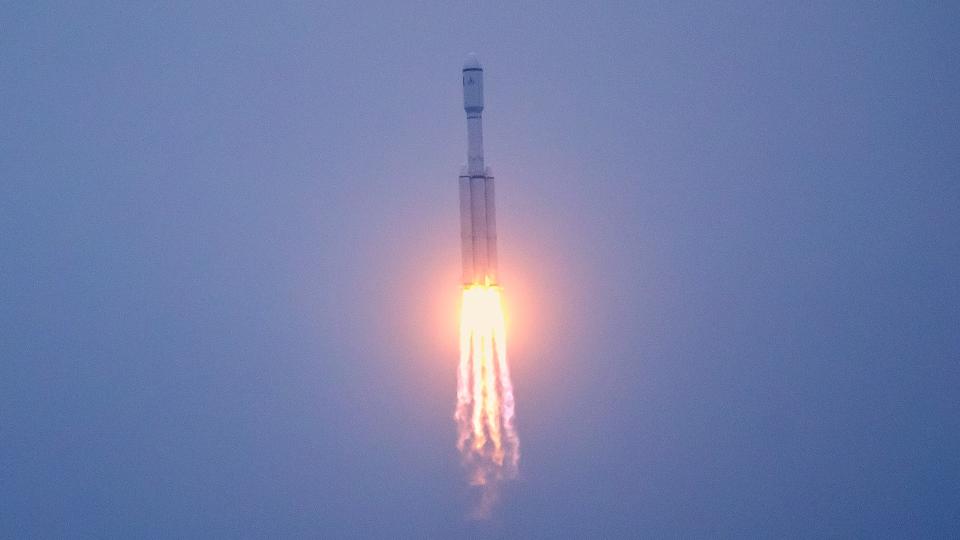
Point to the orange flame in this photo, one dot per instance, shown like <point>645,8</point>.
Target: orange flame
<point>487,439</point>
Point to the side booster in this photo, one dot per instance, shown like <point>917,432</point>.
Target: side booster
<point>478,222</point>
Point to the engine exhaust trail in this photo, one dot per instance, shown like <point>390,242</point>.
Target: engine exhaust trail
<point>487,438</point>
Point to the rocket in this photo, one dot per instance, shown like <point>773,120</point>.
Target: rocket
<point>478,222</point>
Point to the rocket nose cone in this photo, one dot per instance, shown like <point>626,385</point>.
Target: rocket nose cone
<point>472,62</point>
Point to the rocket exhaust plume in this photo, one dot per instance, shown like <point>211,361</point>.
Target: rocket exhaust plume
<point>487,438</point>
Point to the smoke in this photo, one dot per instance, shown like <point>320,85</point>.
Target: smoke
<point>487,438</point>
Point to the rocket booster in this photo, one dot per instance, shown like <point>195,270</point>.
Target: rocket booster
<point>478,223</point>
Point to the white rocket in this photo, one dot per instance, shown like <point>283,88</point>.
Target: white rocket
<point>478,223</point>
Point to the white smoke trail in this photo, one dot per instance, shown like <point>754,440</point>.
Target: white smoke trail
<point>487,437</point>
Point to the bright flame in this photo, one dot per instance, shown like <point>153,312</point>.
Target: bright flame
<point>485,409</point>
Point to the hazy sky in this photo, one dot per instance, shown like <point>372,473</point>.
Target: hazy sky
<point>229,268</point>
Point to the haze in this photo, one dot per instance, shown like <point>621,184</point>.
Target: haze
<point>229,268</point>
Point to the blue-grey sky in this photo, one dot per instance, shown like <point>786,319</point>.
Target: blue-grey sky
<point>229,263</point>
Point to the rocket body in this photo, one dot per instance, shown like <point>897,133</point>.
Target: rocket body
<point>478,223</point>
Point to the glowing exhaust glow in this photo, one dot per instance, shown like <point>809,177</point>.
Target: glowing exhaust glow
<point>487,438</point>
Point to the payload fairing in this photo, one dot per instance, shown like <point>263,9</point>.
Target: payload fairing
<point>478,222</point>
